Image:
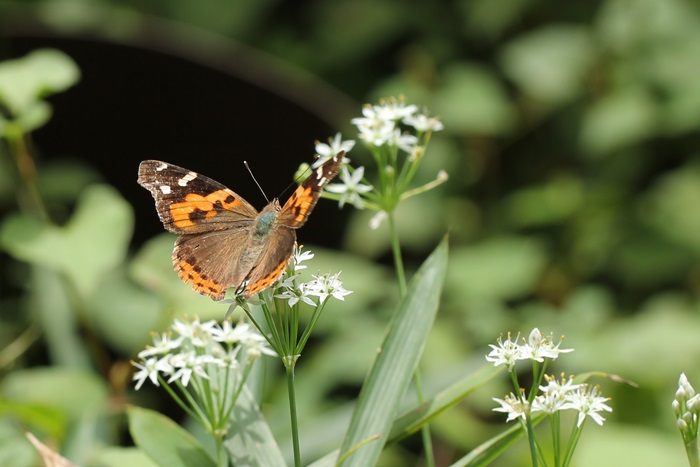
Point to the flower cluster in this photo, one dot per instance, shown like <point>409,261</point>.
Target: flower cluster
<point>686,406</point>
<point>208,362</point>
<point>321,286</point>
<point>379,124</point>
<point>387,129</point>
<point>536,348</point>
<point>198,348</point>
<point>548,395</point>
<point>557,396</point>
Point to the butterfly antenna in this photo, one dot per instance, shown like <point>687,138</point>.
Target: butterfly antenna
<point>255,180</point>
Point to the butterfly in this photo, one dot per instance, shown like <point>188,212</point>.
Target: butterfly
<point>224,241</point>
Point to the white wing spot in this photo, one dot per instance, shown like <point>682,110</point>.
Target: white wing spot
<point>187,178</point>
<point>162,166</point>
<point>165,189</point>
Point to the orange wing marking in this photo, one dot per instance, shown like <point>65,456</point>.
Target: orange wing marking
<point>266,281</point>
<point>190,274</point>
<point>303,199</point>
<point>186,213</point>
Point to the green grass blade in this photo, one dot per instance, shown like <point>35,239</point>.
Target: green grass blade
<point>395,364</point>
<point>168,444</point>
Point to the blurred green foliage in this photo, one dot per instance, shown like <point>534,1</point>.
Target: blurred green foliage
<point>571,141</point>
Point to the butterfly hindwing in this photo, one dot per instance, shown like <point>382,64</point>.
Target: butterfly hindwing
<point>272,260</point>
<point>205,260</point>
<point>188,202</point>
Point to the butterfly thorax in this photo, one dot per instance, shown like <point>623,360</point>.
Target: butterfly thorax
<point>265,222</point>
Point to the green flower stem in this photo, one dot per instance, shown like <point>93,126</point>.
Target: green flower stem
<point>221,458</point>
<point>17,143</point>
<point>555,422</point>
<point>425,429</point>
<point>573,441</point>
<point>531,441</point>
<point>289,365</point>
<point>396,250</point>
<point>309,327</point>
<point>693,453</point>
<point>196,415</point>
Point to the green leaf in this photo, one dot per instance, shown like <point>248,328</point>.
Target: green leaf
<point>413,419</point>
<point>75,393</point>
<point>125,315</point>
<point>501,267</point>
<point>623,118</point>
<point>25,80</point>
<point>35,416</point>
<point>395,363</point>
<point>473,100</point>
<point>251,442</point>
<point>486,452</point>
<point>329,460</point>
<point>550,63</point>
<point>118,457</point>
<point>165,441</point>
<point>15,448</point>
<point>92,243</point>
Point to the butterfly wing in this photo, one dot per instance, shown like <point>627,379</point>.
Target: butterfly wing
<point>209,261</point>
<point>272,260</point>
<point>214,222</point>
<point>298,207</point>
<point>188,202</point>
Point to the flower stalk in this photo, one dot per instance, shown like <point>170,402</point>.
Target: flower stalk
<point>281,308</point>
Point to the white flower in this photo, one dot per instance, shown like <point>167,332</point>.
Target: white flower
<point>162,344</point>
<point>374,128</point>
<point>149,369</point>
<point>538,347</point>
<point>351,188</point>
<point>299,257</point>
<point>404,141</point>
<point>685,389</point>
<point>422,122</point>
<point>327,151</point>
<point>187,364</point>
<point>294,294</point>
<point>377,220</point>
<point>229,334</point>
<point>198,333</point>
<point>256,344</point>
<point>589,404</point>
<point>515,407</point>
<point>507,352</point>
<point>556,395</point>
<point>324,286</point>
<point>395,109</point>
<point>228,359</point>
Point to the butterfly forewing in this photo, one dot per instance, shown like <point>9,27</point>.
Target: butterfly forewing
<point>188,202</point>
<point>298,207</point>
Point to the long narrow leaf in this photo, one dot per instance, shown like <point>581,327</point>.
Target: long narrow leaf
<point>395,364</point>
<point>251,443</point>
<point>164,441</point>
<point>413,419</point>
